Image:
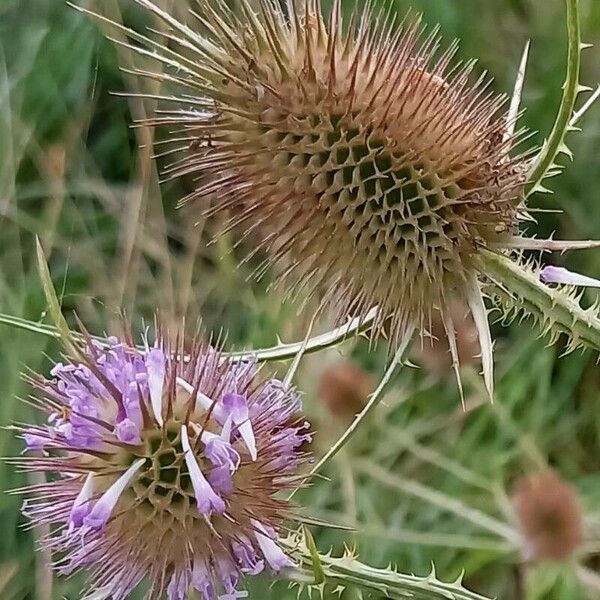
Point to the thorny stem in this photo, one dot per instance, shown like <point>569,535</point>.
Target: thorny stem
<point>314,344</point>
<point>347,571</point>
<point>371,405</point>
<point>520,290</point>
<point>274,353</point>
<point>555,143</point>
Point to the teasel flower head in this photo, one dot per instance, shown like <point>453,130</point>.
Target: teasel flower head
<point>344,387</point>
<point>550,517</point>
<point>367,164</point>
<point>163,469</point>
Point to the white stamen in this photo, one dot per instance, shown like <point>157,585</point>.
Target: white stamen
<point>156,378</point>
<point>202,400</point>
<point>102,510</point>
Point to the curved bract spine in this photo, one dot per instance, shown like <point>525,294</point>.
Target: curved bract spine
<point>544,164</point>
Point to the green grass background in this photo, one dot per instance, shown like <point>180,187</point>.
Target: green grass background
<point>418,478</point>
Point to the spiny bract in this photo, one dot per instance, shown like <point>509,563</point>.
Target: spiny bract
<point>358,156</point>
<point>164,469</point>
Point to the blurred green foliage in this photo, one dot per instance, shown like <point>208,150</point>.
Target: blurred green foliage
<point>416,481</point>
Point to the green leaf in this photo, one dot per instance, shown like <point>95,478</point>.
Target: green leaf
<point>317,567</point>
<point>54,308</point>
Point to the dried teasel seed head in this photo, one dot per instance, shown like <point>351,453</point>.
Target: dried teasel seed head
<point>361,159</point>
<point>550,517</point>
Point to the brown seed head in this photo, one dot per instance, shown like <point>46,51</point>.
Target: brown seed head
<point>345,387</point>
<point>367,167</point>
<point>550,516</point>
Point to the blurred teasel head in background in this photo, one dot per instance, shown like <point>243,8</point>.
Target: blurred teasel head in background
<point>433,350</point>
<point>550,517</point>
<point>344,387</point>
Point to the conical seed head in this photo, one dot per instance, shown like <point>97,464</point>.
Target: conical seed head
<point>365,166</point>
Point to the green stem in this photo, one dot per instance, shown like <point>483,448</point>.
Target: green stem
<point>556,309</point>
<point>555,143</point>
<point>26,325</point>
<point>437,498</point>
<point>274,353</point>
<point>347,571</point>
<point>371,405</point>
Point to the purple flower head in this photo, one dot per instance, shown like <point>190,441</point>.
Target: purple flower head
<point>178,587</point>
<point>273,554</point>
<point>218,448</point>
<point>248,558</point>
<point>202,581</point>
<point>35,441</point>
<point>149,453</point>
<point>221,480</point>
